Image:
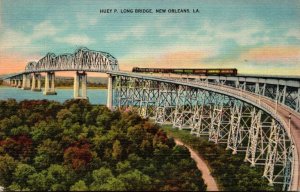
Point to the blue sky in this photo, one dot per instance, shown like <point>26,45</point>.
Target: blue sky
<point>255,37</point>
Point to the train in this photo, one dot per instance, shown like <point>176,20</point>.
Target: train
<point>199,71</point>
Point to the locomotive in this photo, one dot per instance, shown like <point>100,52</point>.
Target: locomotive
<point>221,71</point>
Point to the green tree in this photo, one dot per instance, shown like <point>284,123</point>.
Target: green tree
<point>79,186</point>
<point>117,150</point>
<point>22,173</point>
<point>135,180</point>
<point>48,152</point>
<point>7,167</point>
<point>58,178</point>
<point>101,176</point>
<point>38,181</point>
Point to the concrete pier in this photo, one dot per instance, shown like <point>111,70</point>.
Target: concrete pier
<point>80,81</point>
<point>50,84</point>
<point>19,83</point>
<point>109,103</point>
<point>36,82</point>
<point>26,82</point>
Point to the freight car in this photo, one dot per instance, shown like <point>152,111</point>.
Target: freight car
<point>223,71</point>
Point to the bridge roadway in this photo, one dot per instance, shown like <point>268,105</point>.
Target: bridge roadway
<point>279,112</point>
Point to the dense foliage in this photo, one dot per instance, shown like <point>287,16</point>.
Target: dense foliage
<point>76,146</point>
<point>232,173</point>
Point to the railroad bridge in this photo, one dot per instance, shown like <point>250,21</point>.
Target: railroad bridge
<point>257,115</point>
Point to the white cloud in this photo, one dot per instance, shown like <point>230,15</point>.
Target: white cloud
<point>75,39</point>
<point>44,29</point>
<point>242,31</point>
<point>85,20</point>
<point>136,31</point>
<point>12,40</point>
<point>295,32</point>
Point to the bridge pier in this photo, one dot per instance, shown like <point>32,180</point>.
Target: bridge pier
<point>26,82</point>
<point>36,82</point>
<point>13,83</point>
<point>109,103</point>
<point>19,83</point>
<point>80,81</point>
<point>50,84</point>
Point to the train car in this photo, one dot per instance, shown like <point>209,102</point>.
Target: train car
<point>222,71</point>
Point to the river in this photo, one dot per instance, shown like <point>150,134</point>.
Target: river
<point>96,96</point>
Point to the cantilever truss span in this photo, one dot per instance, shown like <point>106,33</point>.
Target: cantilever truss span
<point>82,60</point>
<point>242,124</point>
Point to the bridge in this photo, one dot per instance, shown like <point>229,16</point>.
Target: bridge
<point>258,116</point>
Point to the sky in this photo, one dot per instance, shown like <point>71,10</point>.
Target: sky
<point>256,37</point>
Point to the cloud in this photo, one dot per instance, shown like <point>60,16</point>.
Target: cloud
<point>283,54</point>
<point>75,39</point>
<point>12,40</point>
<point>165,59</point>
<point>294,32</point>
<point>44,29</point>
<point>136,31</point>
<point>84,20</point>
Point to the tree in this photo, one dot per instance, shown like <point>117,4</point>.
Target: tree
<point>17,146</point>
<point>7,167</point>
<point>58,178</point>
<point>22,173</point>
<point>112,184</point>
<point>135,180</point>
<point>117,150</point>
<point>48,152</point>
<point>101,176</point>
<point>123,167</point>
<point>38,181</point>
<point>78,156</point>
<point>79,186</point>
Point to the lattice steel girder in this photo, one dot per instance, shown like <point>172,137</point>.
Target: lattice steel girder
<point>166,104</point>
<point>277,155</point>
<point>202,114</point>
<point>82,60</point>
<point>134,91</point>
<point>298,101</point>
<point>186,102</point>
<point>149,97</point>
<point>220,119</point>
<point>234,132</point>
<point>291,97</point>
<point>258,138</point>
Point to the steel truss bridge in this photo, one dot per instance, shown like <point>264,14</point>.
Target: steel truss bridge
<point>256,115</point>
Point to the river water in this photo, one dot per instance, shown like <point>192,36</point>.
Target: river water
<point>96,96</point>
